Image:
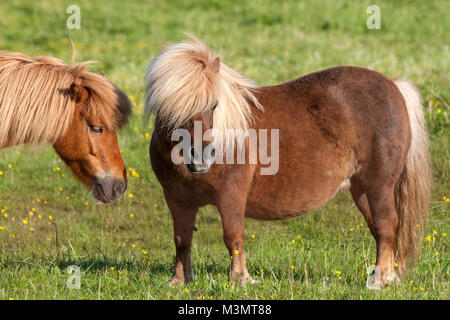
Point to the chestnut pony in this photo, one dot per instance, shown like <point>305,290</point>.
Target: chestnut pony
<point>43,100</point>
<point>340,128</point>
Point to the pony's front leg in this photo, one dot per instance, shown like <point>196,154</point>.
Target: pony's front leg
<point>232,215</point>
<point>183,226</point>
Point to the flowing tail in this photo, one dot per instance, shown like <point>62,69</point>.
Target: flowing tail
<point>413,189</point>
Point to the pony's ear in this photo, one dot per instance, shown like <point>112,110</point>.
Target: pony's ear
<point>78,92</point>
<point>215,65</point>
<point>102,73</point>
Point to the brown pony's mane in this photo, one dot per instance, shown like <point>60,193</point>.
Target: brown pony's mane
<point>36,104</point>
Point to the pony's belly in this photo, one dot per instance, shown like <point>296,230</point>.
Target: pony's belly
<point>291,200</point>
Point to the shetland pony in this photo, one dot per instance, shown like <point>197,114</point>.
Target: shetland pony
<point>340,128</point>
<point>43,100</point>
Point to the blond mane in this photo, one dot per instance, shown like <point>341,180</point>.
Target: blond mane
<point>181,82</point>
<point>35,101</point>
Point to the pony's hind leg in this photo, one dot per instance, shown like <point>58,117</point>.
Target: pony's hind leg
<point>183,226</point>
<point>385,226</point>
<point>378,208</point>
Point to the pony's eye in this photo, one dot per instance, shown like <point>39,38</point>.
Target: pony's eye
<point>96,129</point>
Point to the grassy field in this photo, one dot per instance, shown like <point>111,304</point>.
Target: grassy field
<point>125,250</point>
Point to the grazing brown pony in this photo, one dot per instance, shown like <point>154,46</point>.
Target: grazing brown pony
<point>340,128</point>
<point>43,100</point>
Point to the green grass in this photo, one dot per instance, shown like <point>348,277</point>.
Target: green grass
<point>131,257</point>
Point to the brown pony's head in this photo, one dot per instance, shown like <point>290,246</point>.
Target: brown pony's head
<point>185,82</point>
<point>44,100</point>
<point>89,146</point>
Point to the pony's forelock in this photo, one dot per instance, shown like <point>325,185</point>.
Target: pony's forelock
<point>181,82</point>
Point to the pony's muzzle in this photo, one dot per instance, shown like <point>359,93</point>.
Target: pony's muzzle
<point>199,163</point>
<point>108,189</point>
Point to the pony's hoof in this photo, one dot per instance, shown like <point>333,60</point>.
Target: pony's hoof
<point>374,282</point>
<point>175,281</point>
<point>242,278</point>
<point>392,278</point>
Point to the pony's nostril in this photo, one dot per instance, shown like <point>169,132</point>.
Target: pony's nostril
<point>119,188</point>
